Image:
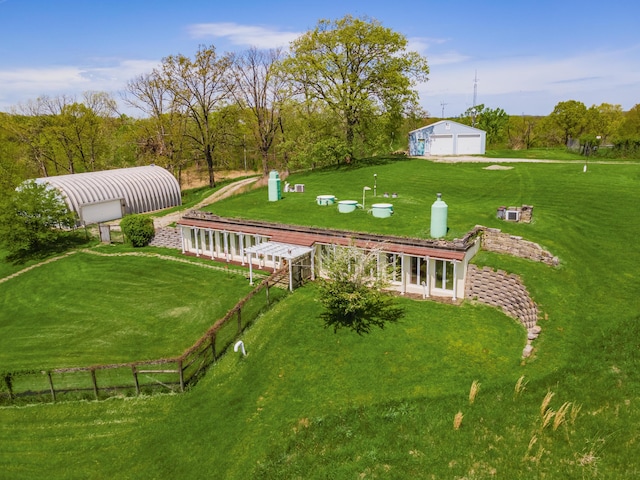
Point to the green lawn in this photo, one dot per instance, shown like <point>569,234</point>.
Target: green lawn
<point>537,153</point>
<point>308,403</point>
<point>87,309</point>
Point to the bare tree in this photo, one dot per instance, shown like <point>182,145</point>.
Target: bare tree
<point>165,127</point>
<point>198,88</point>
<point>264,92</point>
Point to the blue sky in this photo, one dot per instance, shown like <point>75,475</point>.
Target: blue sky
<point>528,55</point>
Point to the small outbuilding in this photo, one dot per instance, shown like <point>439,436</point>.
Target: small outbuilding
<point>110,194</point>
<point>447,138</point>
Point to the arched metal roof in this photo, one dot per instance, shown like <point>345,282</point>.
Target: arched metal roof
<point>141,189</point>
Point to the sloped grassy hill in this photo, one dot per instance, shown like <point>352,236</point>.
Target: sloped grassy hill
<point>308,403</point>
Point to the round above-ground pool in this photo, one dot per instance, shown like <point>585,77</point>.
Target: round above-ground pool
<point>382,210</point>
<point>326,199</point>
<point>347,206</point>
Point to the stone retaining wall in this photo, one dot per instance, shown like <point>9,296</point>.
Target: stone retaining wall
<point>168,237</point>
<point>502,290</point>
<point>495,241</point>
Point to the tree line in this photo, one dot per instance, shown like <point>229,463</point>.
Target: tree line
<point>344,90</point>
<point>570,124</point>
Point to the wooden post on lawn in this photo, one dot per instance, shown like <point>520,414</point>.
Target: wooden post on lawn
<point>95,383</point>
<point>7,381</point>
<point>267,289</point>
<point>134,370</point>
<point>53,390</point>
<point>181,371</point>
<point>213,345</point>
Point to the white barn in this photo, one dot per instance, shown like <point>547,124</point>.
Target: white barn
<point>447,138</point>
<point>110,194</point>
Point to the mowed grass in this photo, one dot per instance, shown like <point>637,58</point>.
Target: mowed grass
<point>86,310</point>
<point>308,403</point>
<point>295,371</point>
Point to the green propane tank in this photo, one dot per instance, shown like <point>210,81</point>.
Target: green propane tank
<point>275,192</point>
<point>439,218</point>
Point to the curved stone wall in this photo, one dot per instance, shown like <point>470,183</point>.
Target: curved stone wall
<point>503,290</point>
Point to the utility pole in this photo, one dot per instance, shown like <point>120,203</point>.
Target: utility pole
<point>442,104</point>
<point>475,97</point>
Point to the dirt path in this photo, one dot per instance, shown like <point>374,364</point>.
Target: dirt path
<point>224,192</point>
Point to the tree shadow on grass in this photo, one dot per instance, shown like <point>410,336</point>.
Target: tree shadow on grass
<point>356,164</point>
<point>63,243</point>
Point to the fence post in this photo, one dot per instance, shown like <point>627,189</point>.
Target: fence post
<point>267,289</point>
<point>239,320</point>
<point>53,390</point>
<point>95,383</point>
<point>181,371</point>
<point>134,370</point>
<point>213,345</point>
<point>7,381</point>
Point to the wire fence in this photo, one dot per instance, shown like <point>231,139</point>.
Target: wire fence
<point>145,377</point>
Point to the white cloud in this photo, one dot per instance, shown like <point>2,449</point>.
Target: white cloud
<point>243,35</point>
<point>22,84</point>
<point>589,77</point>
<point>422,44</point>
<point>34,78</point>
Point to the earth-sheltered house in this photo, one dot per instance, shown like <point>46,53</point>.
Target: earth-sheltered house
<point>426,267</point>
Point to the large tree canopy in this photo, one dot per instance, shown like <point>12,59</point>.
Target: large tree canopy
<point>571,118</point>
<point>354,66</point>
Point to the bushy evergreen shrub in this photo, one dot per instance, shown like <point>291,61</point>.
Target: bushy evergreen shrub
<point>138,229</point>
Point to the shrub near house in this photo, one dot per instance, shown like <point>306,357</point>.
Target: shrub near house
<point>138,229</point>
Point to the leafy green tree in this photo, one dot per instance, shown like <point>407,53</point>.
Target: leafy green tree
<point>630,126</point>
<point>13,168</point>
<point>62,135</point>
<point>493,121</point>
<point>570,118</point>
<point>34,220</point>
<point>30,128</point>
<point>352,294</point>
<point>522,132</point>
<point>138,229</point>
<point>604,121</point>
<point>355,66</point>
<point>313,138</point>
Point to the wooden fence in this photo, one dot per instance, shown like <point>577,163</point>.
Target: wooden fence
<point>144,377</point>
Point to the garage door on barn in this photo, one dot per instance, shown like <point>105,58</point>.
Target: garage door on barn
<point>440,144</point>
<point>469,144</point>
<point>447,138</point>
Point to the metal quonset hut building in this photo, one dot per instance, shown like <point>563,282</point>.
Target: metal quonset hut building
<point>111,194</point>
<point>447,138</point>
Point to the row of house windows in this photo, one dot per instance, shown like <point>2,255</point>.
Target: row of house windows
<point>419,271</point>
<point>443,270</point>
<point>404,272</point>
<point>219,244</point>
